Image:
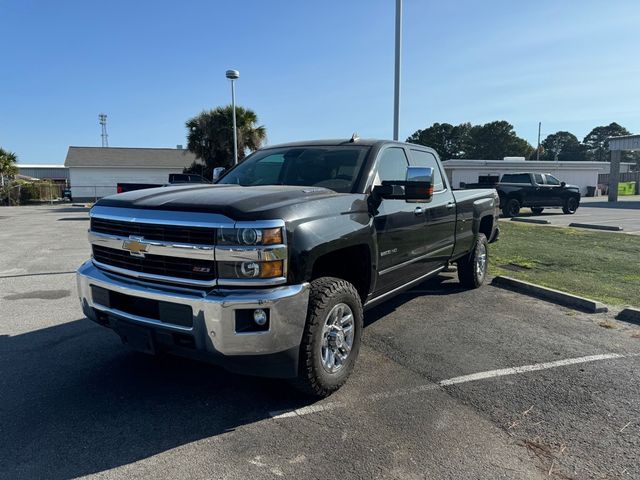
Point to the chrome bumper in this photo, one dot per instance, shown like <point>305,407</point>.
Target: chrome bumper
<point>214,312</point>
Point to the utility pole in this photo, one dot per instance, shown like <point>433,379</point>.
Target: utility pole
<point>396,95</point>
<point>538,150</point>
<point>103,122</point>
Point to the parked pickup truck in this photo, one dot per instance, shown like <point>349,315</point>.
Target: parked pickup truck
<point>174,179</point>
<point>268,271</point>
<point>534,190</point>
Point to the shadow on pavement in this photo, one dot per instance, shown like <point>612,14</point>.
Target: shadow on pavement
<point>74,401</point>
<point>67,219</point>
<point>69,210</point>
<point>631,205</point>
<point>444,284</point>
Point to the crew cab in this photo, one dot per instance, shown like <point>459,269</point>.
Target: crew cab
<point>534,190</point>
<point>268,272</point>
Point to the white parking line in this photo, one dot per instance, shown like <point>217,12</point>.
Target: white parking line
<point>451,381</point>
<point>526,368</point>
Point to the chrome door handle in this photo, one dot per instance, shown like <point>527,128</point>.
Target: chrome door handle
<point>451,205</point>
<point>418,211</point>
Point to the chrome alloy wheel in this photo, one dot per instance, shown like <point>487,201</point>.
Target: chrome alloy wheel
<point>337,337</point>
<point>481,260</point>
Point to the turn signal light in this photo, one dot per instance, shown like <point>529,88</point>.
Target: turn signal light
<point>272,236</point>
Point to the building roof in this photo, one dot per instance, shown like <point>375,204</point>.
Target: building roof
<point>125,157</point>
<point>39,165</point>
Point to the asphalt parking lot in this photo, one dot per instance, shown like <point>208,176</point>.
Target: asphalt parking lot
<point>624,213</point>
<point>450,384</point>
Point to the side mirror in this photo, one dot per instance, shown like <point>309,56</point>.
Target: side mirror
<point>563,184</point>
<point>416,188</point>
<point>217,173</point>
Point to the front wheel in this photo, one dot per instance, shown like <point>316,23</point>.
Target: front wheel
<point>472,269</point>
<point>570,206</point>
<point>331,338</point>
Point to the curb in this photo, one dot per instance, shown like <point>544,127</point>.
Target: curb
<point>550,294</point>
<point>531,220</point>
<point>631,315</point>
<point>596,227</point>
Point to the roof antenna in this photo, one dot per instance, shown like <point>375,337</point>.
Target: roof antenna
<point>354,138</point>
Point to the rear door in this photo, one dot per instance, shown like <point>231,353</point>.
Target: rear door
<point>400,227</point>
<point>538,194</point>
<point>440,215</point>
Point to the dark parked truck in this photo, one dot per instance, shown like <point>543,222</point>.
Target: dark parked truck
<point>268,272</point>
<point>534,190</point>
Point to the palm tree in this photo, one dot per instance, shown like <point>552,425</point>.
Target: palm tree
<point>210,135</point>
<point>8,167</point>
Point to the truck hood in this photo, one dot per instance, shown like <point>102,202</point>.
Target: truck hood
<point>234,201</point>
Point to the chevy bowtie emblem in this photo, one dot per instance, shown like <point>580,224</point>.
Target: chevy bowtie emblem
<point>135,246</point>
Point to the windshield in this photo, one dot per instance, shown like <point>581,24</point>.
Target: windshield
<point>335,167</point>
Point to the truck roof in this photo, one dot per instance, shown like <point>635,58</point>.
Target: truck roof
<point>368,142</point>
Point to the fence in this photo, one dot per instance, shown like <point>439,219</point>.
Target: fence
<point>91,193</point>
<point>31,192</point>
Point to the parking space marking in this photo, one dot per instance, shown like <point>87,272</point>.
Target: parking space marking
<point>278,414</point>
<point>526,368</point>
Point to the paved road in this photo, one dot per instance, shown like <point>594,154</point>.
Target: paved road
<point>74,402</point>
<point>625,213</point>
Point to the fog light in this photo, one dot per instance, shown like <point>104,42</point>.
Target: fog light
<point>260,316</point>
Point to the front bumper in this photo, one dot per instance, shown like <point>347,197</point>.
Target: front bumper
<point>212,335</point>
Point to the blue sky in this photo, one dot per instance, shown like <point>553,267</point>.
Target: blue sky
<point>310,69</point>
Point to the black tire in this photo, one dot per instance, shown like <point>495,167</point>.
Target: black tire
<point>537,210</point>
<point>472,269</point>
<point>313,377</point>
<point>511,208</point>
<point>570,205</point>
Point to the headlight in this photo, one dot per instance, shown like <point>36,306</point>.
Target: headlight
<point>250,236</point>
<point>251,269</point>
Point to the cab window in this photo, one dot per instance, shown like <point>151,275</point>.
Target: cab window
<point>551,180</point>
<point>420,158</point>
<point>392,165</point>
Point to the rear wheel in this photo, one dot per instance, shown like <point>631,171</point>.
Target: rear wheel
<point>511,208</point>
<point>537,210</point>
<point>331,338</point>
<point>472,269</point>
<point>570,206</point>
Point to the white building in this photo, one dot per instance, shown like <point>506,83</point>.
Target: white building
<point>582,174</point>
<point>94,172</point>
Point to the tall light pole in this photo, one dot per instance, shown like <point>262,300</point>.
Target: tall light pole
<point>233,75</point>
<point>396,96</point>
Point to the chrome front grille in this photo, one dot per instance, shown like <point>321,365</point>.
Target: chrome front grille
<point>157,265</point>
<point>165,233</point>
<point>177,247</point>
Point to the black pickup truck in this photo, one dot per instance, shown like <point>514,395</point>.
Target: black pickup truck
<point>534,190</point>
<point>268,272</point>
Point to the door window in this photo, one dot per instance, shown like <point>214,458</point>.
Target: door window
<point>392,165</point>
<point>551,180</point>
<point>538,178</point>
<point>426,159</point>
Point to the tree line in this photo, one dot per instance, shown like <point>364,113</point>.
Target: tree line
<point>496,140</point>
